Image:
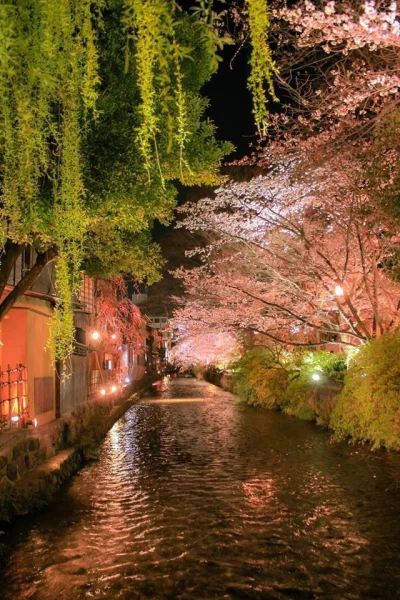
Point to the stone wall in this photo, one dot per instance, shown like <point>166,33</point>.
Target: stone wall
<point>34,463</point>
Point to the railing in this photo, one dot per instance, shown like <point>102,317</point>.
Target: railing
<point>45,282</point>
<point>13,397</point>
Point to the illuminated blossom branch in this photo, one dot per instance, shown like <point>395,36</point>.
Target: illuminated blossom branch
<point>339,63</point>
<point>203,348</point>
<point>299,259</point>
<point>119,321</point>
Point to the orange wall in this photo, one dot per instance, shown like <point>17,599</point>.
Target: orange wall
<point>24,336</point>
<point>39,363</point>
<point>14,338</point>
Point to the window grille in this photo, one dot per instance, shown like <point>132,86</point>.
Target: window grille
<point>86,295</point>
<point>13,396</point>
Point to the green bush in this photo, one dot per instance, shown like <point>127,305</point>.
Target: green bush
<point>260,379</point>
<point>298,394</point>
<point>368,408</point>
<point>333,366</point>
<point>284,380</point>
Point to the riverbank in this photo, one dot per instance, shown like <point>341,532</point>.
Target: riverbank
<point>356,395</point>
<point>271,388</point>
<point>35,463</point>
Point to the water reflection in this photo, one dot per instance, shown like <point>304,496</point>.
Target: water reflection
<point>197,496</point>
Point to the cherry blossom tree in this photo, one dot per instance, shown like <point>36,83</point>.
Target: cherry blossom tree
<point>196,347</point>
<point>337,74</point>
<point>118,320</point>
<point>296,255</point>
<point>302,254</point>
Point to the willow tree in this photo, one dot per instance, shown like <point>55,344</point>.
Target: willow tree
<point>48,88</point>
<point>100,113</point>
<point>132,175</point>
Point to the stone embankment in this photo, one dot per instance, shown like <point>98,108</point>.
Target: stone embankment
<point>34,463</point>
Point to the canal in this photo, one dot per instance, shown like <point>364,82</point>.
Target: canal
<point>197,496</point>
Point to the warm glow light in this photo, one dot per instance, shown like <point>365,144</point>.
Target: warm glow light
<point>15,418</point>
<point>114,336</point>
<point>339,290</point>
<point>95,335</point>
<point>103,392</point>
<point>35,422</point>
<point>315,377</point>
<point>113,388</point>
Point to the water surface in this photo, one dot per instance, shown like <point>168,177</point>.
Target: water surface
<point>196,496</point>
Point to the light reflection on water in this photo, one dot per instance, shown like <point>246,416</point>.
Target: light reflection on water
<point>196,496</point>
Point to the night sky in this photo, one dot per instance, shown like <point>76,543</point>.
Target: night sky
<point>231,110</point>
<point>230,101</point>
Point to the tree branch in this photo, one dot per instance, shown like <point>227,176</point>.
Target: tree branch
<point>11,253</point>
<point>27,281</point>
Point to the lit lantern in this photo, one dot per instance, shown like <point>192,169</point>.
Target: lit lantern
<point>114,336</point>
<point>95,335</point>
<point>15,418</point>
<point>103,392</point>
<point>113,389</point>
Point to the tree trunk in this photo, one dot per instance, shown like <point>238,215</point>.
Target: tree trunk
<point>27,280</point>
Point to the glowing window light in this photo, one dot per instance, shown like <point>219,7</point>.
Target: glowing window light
<point>316,377</point>
<point>95,335</point>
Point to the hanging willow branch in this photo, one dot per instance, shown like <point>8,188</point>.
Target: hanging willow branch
<point>48,84</point>
<point>151,26</point>
<point>261,62</point>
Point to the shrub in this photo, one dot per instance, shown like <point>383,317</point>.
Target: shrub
<point>333,366</point>
<point>284,381</point>
<point>298,395</point>
<point>368,408</point>
<point>260,378</point>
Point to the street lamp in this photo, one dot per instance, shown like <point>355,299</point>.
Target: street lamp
<point>339,291</point>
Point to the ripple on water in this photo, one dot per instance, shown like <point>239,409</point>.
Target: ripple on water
<point>196,496</point>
